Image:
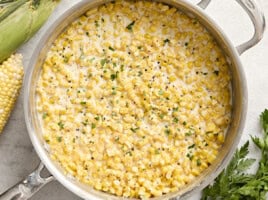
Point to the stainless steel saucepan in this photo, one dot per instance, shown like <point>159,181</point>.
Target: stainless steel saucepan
<point>34,181</point>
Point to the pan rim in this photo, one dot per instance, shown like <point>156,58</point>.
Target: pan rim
<point>39,147</point>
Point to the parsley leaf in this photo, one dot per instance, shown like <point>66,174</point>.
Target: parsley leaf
<point>103,62</point>
<point>61,125</point>
<point>59,139</point>
<point>166,41</point>
<point>93,126</point>
<point>264,121</point>
<point>113,77</point>
<point>234,182</point>
<point>216,72</point>
<point>44,116</point>
<point>83,103</point>
<point>134,129</point>
<point>175,120</point>
<point>130,26</point>
<point>111,48</point>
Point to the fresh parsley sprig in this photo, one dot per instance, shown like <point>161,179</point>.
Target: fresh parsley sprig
<point>234,183</point>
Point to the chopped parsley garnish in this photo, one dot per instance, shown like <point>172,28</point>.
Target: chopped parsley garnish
<point>134,129</point>
<point>198,162</point>
<point>113,77</point>
<point>114,93</point>
<point>175,119</point>
<point>66,59</point>
<point>93,125</point>
<point>188,133</point>
<point>175,109</point>
<point>61,125</point>
<point>85,123</point>
<point>103,62</point>
<point>59,139</point>
<point>97,23</point>
<point>97,118</point>
<point>111,48</point>
<point>167,131</point>
<point>190,156</point>
<point>216,72</point>
<point>83,102</point>
<point>130,26</point>
<point>166,41</point>
<point>191,146</point>
<point>44,116</point>
<point>121,68</point>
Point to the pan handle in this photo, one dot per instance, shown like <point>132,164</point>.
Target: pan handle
<point>256,15</point>
<point>203,3</point>
<point>26,188</point>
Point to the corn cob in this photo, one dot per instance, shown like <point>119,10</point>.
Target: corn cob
<point>11,75</point>
<point>19,20</point>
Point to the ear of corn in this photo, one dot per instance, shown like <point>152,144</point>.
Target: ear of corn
<point>7,1</point>
<point>20,20</point>
<point>11,75</point>
<point>7,8</point>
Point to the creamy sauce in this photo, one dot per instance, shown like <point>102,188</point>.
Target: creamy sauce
<point>134,99</point>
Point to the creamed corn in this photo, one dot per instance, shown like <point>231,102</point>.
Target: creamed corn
<point>134,99</point>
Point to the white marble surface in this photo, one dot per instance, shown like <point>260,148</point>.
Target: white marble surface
<point>18,157</point>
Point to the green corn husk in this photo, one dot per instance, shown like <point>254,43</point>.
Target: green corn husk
<point>19,20</point>
<point>8,7</point>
